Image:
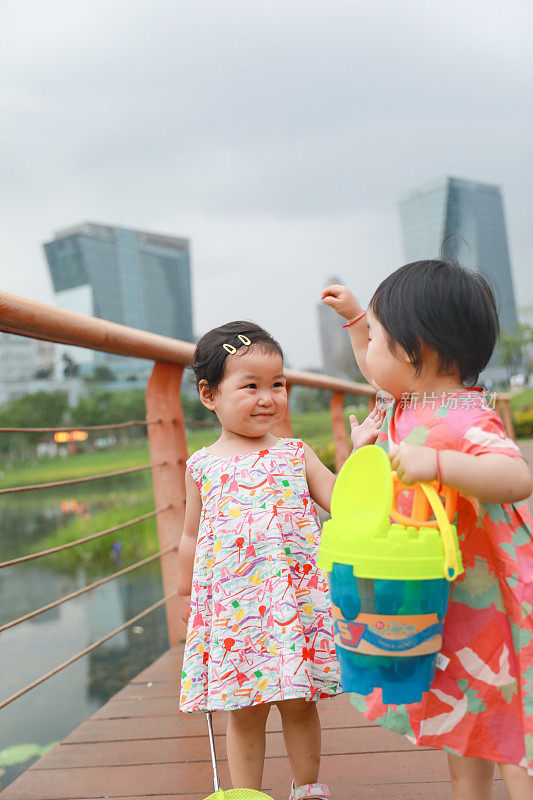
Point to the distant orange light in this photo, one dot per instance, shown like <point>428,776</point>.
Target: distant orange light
<point>70,436</point>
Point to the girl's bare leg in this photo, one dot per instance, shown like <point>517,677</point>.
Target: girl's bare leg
<point>518,783</point>
<point>471,777</point>
<point>301,731</point>
<point>245,745</point>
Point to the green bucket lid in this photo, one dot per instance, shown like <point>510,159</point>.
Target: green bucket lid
<point>361,535</point>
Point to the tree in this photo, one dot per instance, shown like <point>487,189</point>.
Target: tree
<point>38,410</point>
<point>511,344</point>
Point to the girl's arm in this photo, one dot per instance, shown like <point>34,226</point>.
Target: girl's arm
<point>319,479</point>
<point>187,545</point>
<point>491,477</point>
<point>341,299</point>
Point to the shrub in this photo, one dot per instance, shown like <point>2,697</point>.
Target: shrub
<point>523,422</point>
<point>327,456</point>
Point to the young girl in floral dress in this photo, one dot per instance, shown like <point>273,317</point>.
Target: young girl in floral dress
<point>429,331</point>
<point>259,623</point>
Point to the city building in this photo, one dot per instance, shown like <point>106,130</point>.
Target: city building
<point>337,355</point>
<point>27,366</point>
<point>128,276</point>
<point>463,220</point>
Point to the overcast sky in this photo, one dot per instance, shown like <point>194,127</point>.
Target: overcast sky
<point>276,135</point>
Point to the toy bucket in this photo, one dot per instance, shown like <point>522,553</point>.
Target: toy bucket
<point>389,581</point>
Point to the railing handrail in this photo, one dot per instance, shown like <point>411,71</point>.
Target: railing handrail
<point>38,320</point>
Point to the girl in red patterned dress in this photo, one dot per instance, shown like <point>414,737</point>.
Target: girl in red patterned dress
<point>429,331</point>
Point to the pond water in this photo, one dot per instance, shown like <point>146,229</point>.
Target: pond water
<point>49,712</point>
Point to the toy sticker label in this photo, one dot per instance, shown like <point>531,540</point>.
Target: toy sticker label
<point>442,661</point>
<point>389,634</point>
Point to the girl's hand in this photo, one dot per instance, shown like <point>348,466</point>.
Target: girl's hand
<point>367,431</point>
<point>184,607</point>
<point>413,462</point>
<point>341,300</point>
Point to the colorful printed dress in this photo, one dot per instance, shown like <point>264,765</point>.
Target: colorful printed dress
<point>481,702</point>
<point>260,628</point>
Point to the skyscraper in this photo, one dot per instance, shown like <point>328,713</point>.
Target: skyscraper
<point>463,220</point>
<point>132,277</point>
<point>337,355</point>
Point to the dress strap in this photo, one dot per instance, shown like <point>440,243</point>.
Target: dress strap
<point>195,466</point>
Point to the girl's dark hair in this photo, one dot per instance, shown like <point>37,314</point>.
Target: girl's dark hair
<point>439,303</point>
<point>210,354</point>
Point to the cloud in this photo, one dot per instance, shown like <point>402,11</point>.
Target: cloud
<point>277,136</point>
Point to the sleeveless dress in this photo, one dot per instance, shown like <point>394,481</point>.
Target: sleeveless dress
<point>260,627</point>
<point>481,702</point>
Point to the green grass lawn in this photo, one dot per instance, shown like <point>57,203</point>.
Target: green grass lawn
<point>314,428</point>
<point>122,498</point>
<point>522,400</point>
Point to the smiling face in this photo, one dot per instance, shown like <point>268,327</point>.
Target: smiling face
<point>389,368</point>
<point>251,398</point>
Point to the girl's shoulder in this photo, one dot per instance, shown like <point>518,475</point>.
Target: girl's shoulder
<point>484,432</point>
<point>290,443</point>
<point>461,421</point>
<point>196,457</point>
<point>195,465</point>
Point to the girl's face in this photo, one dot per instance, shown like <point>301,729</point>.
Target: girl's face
<point>252,397</point>
<point>390,369</point>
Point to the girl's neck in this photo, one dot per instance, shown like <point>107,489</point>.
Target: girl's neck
<point>435,383</point>
<point>234,444</point>
<point>438,384</point>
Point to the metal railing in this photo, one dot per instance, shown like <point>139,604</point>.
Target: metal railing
<point>165,425</point>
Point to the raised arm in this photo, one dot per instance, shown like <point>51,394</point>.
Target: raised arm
<point>319,479</point>
<point>187,545</point>
<point>342,300</point>
<point>491,477</point>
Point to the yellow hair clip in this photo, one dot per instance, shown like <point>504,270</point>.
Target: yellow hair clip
<point>229,347</point>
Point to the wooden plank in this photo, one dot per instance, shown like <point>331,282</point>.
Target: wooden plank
<point>164,668</point>
<point>344,741</point>
<point>329,710</point>
<point>409,791</point>
<point>167,726</point>
<point>110,730</point>
<point>139,691</point>
<point>371,775</point>
<point>168,778</point>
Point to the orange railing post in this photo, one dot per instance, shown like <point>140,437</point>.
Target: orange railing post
<point>284,429</point>
<point>341,440</point>
<point>504,407</point>
<point>168,443</point>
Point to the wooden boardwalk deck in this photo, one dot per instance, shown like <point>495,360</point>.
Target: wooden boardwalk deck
<point>138,746</point>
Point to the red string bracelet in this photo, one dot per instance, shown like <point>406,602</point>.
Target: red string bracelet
<point>439,473</point>
<point>355,319</point>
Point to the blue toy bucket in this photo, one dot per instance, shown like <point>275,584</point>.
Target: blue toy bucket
<point>389,582</point>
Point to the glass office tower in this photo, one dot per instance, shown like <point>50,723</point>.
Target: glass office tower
<point>462,220</point>
<point>132,277</point>
<point>337,355</point>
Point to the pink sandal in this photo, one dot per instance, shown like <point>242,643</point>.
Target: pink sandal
<point>317,791</point>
